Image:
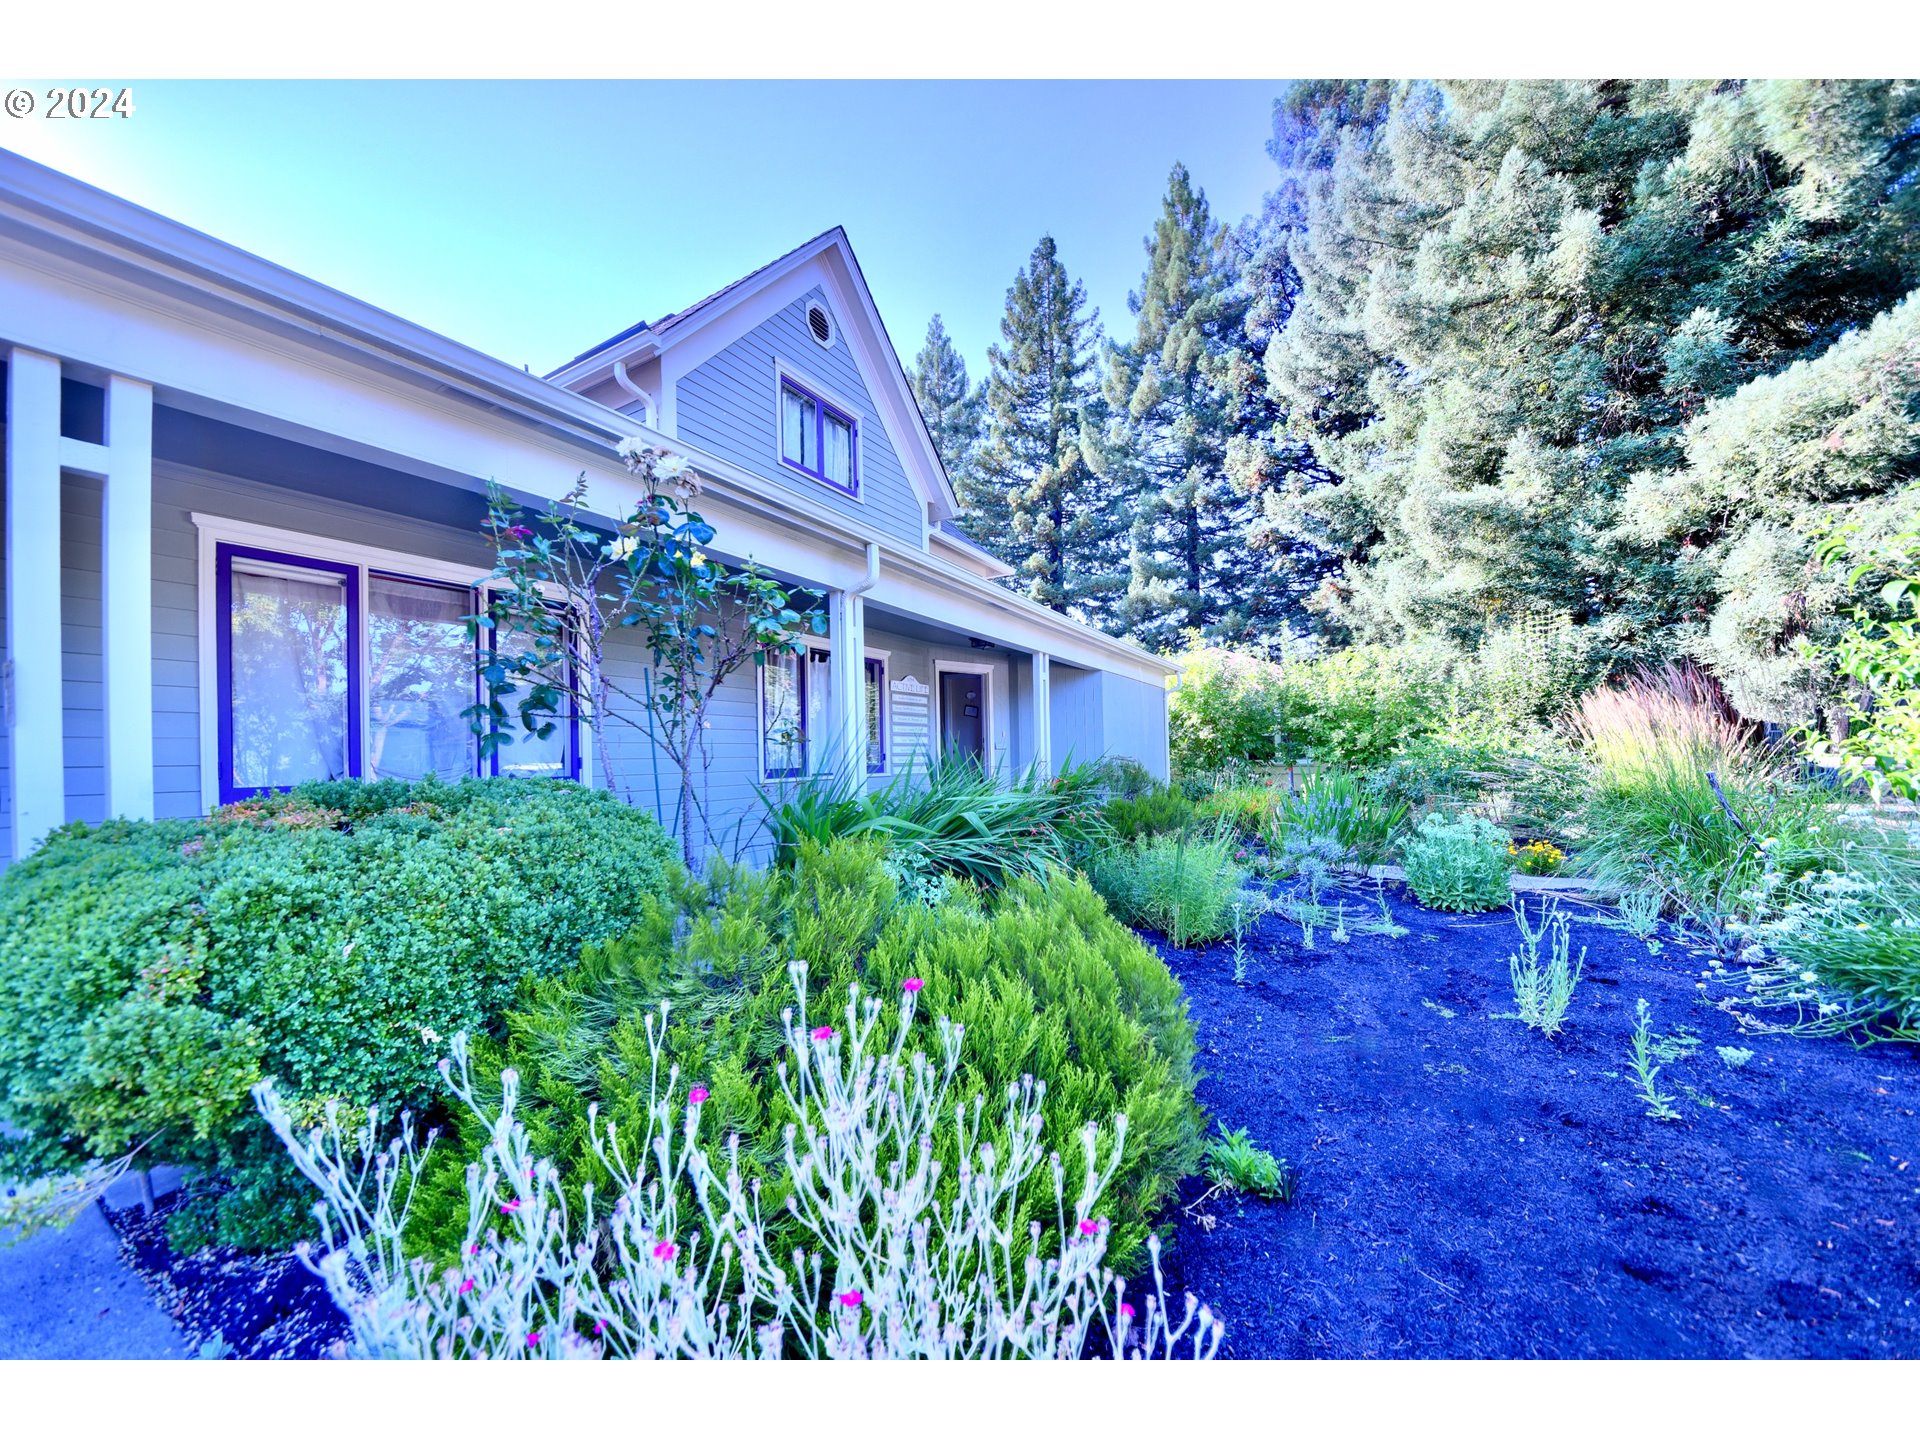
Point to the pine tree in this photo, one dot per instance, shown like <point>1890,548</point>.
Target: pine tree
<point>1066,526</point>
<point>951,406</point>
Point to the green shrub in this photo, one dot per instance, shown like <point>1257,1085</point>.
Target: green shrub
<point>1351,707</point>
<point>1123,778</point>
<point>150,972</point>
<point>1182,886</point>
<point>1339,806</point>
<point>1244,809</point>
<point>1528,775</point>
<point>1857,931</point>
<point>1458,863</point>
<point>954,818</point>
<point>1045,982</point>
<point>1164,810</point>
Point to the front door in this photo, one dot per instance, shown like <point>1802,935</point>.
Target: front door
<point>963,714</point>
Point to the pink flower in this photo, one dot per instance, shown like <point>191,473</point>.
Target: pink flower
<point>473,1249</point>
<point>466,1285</point>
<point>599,1327</point>
<point>533,1338</point>
<point>518,532</point>
<point>507,1207</point>
<point>697,1095</point>
<point>849,1298</point>
<point>1126,1311</point>
<point>912,984</point>
<point>823,1032</point>
<point>1089,1227</point>
<point>665,1250</point>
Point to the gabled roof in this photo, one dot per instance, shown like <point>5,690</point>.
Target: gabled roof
<point>879,362</point>
<point>675,318</point>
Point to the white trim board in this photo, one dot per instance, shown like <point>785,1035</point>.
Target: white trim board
<point>988,737</point>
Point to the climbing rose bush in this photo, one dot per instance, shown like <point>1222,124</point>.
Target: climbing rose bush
<point>900,1260</point>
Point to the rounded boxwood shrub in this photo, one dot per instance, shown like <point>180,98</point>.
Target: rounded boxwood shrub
<point>1044,980</point>
<point>1459,863</point>
<point>150,972</point>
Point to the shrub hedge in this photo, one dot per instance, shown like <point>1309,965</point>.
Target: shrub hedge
<point>1046,983</point>
<point>150,972</point>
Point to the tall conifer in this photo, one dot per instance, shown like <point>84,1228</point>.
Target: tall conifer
<point>1065,527</point>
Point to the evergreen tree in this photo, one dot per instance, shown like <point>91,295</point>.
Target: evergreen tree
<point>1170,394</point>
<point>952,408</point>
<point>1065,524</point>
<point>1515,297</point>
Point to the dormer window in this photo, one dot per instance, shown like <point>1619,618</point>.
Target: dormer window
<point>817,439</point>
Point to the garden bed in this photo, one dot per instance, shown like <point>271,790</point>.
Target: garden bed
<point>236,1305</point>
<point>1468,1188</point>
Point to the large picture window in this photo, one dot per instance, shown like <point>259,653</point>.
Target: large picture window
<point>420,677</point>
<point>287,672</point>
<point>817,438</point>
<point>326,669</point>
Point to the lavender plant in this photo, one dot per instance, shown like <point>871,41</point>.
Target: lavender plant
<point>1542,993</point>
<point>901,1261</point>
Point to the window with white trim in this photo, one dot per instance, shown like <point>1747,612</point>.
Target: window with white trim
<point>796,708</point>
<point>330,669</point>
<point>817,438</point>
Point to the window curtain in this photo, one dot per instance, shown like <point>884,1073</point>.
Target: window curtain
<point>797,436</point>
<point>289,655</point>
<point>421,678</point>
<point>780,707</point>
<point>838,460</point>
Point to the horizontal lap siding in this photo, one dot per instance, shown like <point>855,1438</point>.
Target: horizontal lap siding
<point>1136,721</point>
<point>728,405</point>
<point>82,683</point>
<point>650,780</point>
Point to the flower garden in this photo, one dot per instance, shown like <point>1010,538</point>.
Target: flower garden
<point>1441,1004</point>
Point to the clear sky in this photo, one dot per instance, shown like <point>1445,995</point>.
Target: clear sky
<point>531,220</point>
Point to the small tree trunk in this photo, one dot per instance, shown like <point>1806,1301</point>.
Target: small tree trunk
<point>686,817</point>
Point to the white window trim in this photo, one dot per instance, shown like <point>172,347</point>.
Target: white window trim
<point>784,370</point>
<point>988,737</point>
<point>217,530</point>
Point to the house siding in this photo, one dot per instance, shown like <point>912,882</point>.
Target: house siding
<point>728,404</point>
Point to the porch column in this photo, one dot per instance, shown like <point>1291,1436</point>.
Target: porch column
<point>33,702</point>
<point>846,744</point>
<point>126,603</point>
<point>1043,713</point>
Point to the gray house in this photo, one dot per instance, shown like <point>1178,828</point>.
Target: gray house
<point>242,516</point>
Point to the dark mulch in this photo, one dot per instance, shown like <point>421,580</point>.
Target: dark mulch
<point>258,1307</point>
<point>1469,1188</point>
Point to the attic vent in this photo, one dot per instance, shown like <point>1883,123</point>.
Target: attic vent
<point>820,323</point>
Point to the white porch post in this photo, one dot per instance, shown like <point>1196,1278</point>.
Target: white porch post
<point>33,700</point>
<point>126,606</point>
<point>1043,713</point>
<point>846,745</point>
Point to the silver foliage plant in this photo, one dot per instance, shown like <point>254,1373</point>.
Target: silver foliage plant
<point>677,1265</point>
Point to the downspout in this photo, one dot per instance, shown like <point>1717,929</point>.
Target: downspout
<point>873,571</point>
<point>625,382</point>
